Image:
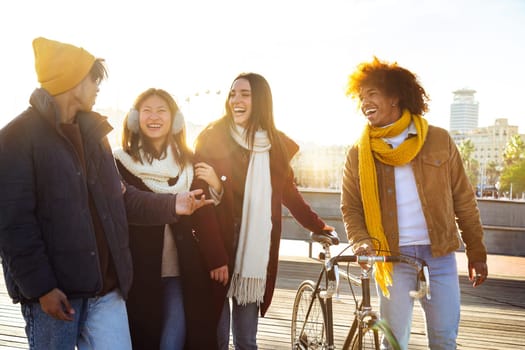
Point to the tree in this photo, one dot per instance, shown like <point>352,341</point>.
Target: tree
<point>471,165</point>
<point>514,172</point>
<point>492,173</point>
<point>514,151</point>
<point>514,175</point>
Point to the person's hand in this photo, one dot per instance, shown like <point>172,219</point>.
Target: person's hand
<point>364,247</point>
<point>188,202</point>
<point>328,228</point>
<point>56,305</point>
<point>477,273</point>
<point>205,172</point>
<point>220,274</point>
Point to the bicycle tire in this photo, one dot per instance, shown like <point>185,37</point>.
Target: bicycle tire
<point>314,334</point>
<point>376,335</point>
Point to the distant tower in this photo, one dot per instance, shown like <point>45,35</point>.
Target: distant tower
<point>464,111</point>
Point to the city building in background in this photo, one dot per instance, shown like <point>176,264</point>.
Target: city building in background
<point>490,141</point>
<point>487,144</point>
<point>464,111</point>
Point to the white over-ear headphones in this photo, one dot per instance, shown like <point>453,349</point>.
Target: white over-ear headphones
<point>134,126</point>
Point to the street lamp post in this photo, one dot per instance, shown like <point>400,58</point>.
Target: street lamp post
<point>481,178</point>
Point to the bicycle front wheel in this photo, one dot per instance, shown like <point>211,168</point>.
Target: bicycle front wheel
<point>376,335</point>
<point>308,329</point>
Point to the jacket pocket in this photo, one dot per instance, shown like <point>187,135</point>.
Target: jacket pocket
<point>435,178</point>
<point>436,159</point>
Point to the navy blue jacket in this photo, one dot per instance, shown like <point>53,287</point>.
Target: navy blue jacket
<point>47,238</point>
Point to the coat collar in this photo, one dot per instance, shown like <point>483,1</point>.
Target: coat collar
<point>91,124</point>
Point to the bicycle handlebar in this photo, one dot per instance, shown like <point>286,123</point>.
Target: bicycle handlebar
<point>366,259</point>
<point>331,265</point>
<point>422,268</point>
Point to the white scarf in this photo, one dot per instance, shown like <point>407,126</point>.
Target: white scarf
<point>156,175</point>
<point>248,282</point>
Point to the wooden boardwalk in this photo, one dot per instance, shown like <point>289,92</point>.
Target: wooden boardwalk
<point>492,316</point>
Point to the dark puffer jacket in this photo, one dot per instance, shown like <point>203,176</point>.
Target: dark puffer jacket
<point>47,238</point>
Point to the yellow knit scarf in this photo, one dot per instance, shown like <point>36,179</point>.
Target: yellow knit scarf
<point>371,144</point>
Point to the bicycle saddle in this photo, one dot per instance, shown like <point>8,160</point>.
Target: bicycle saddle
<point>325,237</point>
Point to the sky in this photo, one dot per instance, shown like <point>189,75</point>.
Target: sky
<point>304,48</point>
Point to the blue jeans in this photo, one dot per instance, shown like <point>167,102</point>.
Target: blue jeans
<point>99,323</point>
<point>441,311</point>
<point>173,323</point>
<point>245,320</point>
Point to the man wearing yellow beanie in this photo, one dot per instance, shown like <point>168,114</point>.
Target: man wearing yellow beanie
<point>64,211</point>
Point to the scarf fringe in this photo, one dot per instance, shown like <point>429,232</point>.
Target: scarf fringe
<point>247,290</point>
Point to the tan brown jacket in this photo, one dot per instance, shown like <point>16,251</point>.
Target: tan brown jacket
<point>447,198</point>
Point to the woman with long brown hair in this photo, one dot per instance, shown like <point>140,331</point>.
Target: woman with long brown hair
<point>251,157</point>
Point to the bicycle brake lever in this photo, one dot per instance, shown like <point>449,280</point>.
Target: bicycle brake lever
<point>332,274</point>
<point>423,286</point>
<point>336,271</point>
<point>426,273</point>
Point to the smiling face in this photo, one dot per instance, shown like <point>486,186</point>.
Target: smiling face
<point>378,108</point>
<point>155,120</point>
<point>240,101</point>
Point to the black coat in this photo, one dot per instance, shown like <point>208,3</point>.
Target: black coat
<point>47,238</point>
<point>145,302</point>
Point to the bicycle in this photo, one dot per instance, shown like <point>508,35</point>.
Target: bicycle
<point>312,313</point>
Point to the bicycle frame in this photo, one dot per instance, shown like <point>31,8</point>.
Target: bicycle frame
<point>364,313</point>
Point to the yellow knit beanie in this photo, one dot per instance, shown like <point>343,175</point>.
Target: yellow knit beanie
<point>59,66</point>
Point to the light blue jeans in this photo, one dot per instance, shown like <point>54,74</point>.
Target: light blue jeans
<point>245,320</point>
<point>441,311</point>
<point>99,323</point>
<point>174,322</point>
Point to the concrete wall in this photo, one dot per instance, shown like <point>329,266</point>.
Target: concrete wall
<point>503,221</point>
<point>495,212</point>
<point>504,226</point>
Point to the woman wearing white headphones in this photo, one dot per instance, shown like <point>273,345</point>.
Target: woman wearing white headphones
<point>165,308</point>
